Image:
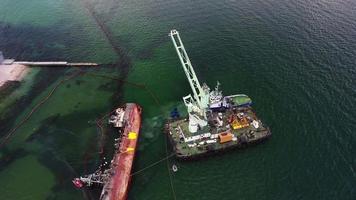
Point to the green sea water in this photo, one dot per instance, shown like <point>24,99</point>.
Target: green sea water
<point>295,59</point>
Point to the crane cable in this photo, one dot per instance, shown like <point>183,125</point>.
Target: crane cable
<point>166,138</point>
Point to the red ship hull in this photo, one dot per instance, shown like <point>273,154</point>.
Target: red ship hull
<point>117,187</point>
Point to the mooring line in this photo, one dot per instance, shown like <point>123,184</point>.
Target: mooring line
<point>153,95</point>
<point>153,164</point>
<point>169,172</point>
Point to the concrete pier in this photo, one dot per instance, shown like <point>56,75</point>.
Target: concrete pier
<point>55,63</point>
<point>11,70</point>
<point>4,61</point>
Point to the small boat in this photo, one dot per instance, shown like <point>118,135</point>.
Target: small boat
<point>174,168</point>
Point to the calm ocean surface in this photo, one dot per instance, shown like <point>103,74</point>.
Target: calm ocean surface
<point>296,59</point>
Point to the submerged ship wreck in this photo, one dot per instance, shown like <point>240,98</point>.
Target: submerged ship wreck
<point>215,122</point>
<point>116,179</point>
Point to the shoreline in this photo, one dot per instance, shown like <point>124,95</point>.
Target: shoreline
<point>15,72</point>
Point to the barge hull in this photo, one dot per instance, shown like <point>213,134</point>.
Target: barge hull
<point>240,125</point>
<point>215,152</point>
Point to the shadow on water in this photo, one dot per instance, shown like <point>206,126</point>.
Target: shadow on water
<point>67,151</point>
<point>42,80</point>
<point>57,146</point>
<point>30,43</point>
<point>49,44</point>
<point>26,42</point>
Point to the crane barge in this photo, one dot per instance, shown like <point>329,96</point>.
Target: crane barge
<point>215,122</point>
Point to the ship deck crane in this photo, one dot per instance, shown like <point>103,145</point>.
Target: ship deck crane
<point>97,177</point>
<point>197,104</point>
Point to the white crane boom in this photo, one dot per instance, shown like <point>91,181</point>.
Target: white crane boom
<point>201,94</point>
<point>198,105</point>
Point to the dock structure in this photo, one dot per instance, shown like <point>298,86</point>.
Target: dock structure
<point>4,61</point>
<point>54,63</point>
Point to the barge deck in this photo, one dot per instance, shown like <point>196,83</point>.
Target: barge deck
<point>232,128</point>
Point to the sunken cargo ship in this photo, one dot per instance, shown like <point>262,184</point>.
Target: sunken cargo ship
<point>215,123</point>
<point>115,180</point>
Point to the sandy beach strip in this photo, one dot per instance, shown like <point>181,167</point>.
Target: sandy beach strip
<point>13,72</point>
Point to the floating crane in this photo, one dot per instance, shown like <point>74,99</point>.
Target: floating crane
<point>198,104</point>
<point>216,122</point>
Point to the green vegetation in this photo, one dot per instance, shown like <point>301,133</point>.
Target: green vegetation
<point>18,183</point>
